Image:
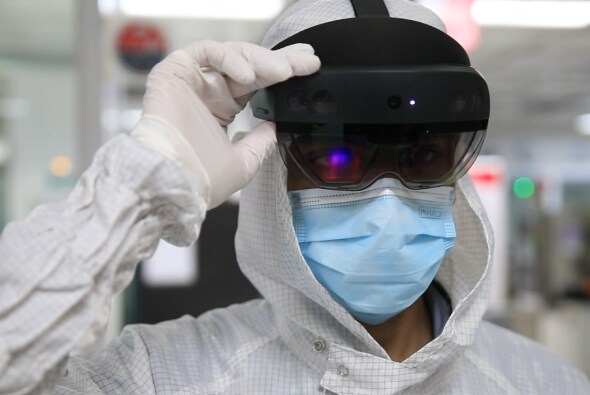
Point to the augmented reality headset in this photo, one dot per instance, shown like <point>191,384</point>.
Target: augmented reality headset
<point>393,97</point>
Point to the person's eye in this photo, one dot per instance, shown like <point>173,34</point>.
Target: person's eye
<point>420,154</point>
<point>426,154</point>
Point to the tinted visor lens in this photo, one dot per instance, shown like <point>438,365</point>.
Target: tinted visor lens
<point>341,156</point>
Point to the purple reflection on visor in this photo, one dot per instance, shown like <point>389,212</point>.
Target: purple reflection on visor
<point>342,164</point>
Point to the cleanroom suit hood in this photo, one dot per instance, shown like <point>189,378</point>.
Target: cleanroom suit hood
<point>320,332</point>
<point>269,255</point>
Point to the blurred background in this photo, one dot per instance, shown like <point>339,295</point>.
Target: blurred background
<point>72,75</point>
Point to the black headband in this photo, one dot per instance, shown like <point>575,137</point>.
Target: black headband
<point>369,8</point>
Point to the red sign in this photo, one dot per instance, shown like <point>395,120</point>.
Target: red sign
<point>140,47</point>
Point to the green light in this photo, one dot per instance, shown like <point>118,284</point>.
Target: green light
<point>524,187</point>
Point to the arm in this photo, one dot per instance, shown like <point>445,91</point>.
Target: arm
<point>60,267</point>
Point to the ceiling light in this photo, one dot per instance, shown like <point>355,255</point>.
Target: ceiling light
<point>532,13</point>
<point>203,9</point>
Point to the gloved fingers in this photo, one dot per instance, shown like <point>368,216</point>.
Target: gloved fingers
<point>254,147</point>
<point>244,67</point>
<point>240,167</point>
<point>175,67</point>
<point>222,58</point>
<point>272,67</point>
<point>302,59</point>
<point>268,66</point>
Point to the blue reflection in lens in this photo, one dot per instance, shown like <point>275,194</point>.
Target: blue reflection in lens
<point>340,157</point>
<point>342,165</point>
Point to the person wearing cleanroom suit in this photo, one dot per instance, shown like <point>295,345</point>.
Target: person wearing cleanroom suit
<point>350,320</point>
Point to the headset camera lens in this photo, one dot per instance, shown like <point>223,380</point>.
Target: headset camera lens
<point>394,102</point>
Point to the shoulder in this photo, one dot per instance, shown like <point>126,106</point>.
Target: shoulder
<point>212,338</point>
<point>522,364</point>
<point>225,320</point>
<point>202,353</point>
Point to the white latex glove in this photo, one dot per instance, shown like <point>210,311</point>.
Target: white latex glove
<point>194,93</point>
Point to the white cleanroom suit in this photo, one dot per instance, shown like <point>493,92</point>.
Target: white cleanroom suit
<point>60,267</point>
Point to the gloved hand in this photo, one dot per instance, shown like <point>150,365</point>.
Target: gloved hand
<point>194,93</point>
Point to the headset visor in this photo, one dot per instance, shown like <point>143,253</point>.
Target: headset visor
<point>349,156</point>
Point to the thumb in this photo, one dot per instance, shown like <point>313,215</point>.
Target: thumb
<point>254,147</point>
<point>247,155</point>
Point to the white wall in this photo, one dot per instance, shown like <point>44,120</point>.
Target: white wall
<point>44,129</point>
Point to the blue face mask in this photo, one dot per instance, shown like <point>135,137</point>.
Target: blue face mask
<point>376,251</point>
